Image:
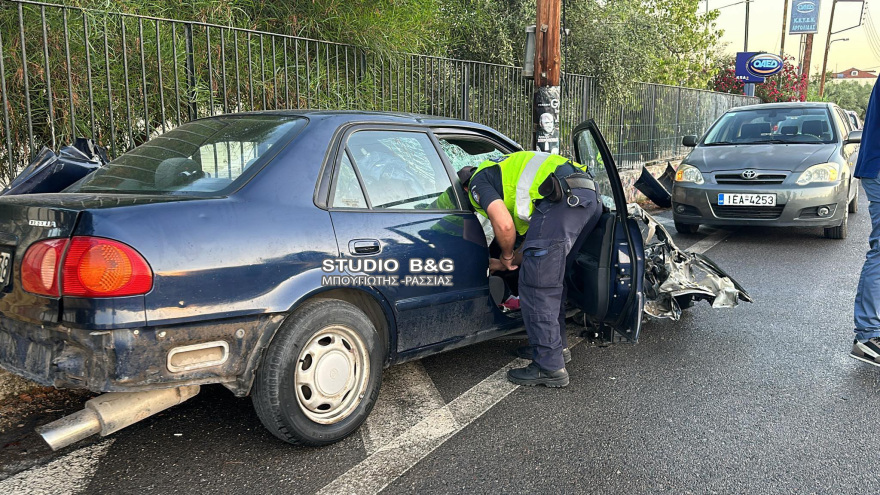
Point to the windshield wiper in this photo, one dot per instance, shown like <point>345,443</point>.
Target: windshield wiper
<point>720,143</point>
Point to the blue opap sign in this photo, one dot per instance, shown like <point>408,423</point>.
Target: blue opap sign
<point>764,65</point>
<point>804,17</point>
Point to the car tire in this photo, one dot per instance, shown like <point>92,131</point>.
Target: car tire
<point>838,232</point>
<point>853,206</point>
<point>321,374</point>
<point>687,228</point>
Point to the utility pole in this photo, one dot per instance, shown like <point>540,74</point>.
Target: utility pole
<point>827,49</point>
<point>748,88</point>
<point>545,110</point>
<point>805,66</point>
<point>784,20</point>
<point>746,42</point>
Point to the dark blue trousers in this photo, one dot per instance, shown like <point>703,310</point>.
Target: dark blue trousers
<point>556,232</point>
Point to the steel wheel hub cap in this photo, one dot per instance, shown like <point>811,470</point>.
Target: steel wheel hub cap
<point>331,374</point>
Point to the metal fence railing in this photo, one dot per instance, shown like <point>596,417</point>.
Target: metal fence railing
<point>68,72</point>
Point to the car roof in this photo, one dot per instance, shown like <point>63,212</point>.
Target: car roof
<point>787,104</point>
<point>342,117</point>
<point>358,115</point>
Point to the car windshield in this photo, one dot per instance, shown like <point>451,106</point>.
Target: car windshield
<point>198,158</point>
<point>789,125</point>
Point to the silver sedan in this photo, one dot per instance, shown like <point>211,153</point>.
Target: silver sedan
<point>780,164</point>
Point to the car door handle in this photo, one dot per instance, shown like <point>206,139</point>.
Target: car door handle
<point>364,246</point>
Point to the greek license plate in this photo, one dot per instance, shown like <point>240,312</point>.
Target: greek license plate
<point>5,268</point>
<point>737,199</point>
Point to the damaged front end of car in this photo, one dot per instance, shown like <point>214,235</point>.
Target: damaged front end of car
<point>675,279</point>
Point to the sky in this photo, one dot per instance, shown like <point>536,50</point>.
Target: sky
<point>765,31</point>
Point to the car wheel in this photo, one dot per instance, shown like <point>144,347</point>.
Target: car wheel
<point>321,374</point>
<point>687,228</point>
<point>854,204</point>
<point>838,232</point>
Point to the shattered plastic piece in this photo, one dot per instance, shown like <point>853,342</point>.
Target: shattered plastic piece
<point>653,189</point>
<point>668,178</point>
<point>50,172</point>
<point>674,277</point>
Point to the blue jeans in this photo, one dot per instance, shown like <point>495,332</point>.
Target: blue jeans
<point>866,313</point>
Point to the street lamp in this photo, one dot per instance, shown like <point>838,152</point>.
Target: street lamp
<point>825,65</point>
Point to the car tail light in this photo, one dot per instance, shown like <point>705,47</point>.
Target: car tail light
<point>39,268</point>
<point>89,267</point>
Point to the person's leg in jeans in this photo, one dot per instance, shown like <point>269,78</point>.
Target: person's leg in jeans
<point>866,311</point>
<point>866,314</point>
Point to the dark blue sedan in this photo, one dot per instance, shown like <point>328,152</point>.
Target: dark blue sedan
<point>289,256</point>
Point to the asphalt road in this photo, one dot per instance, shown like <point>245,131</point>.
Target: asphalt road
<point>758,399</point>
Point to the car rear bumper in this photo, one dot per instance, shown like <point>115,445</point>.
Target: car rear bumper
<point>128,360</point>
<point>795,205</point>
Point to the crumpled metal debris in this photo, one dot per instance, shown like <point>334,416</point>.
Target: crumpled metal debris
<point>674,278</point>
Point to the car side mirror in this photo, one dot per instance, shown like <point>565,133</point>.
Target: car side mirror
<point>855,137</point>
<point>689,141</point>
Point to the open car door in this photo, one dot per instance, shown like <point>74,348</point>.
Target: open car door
<point>607,277</point>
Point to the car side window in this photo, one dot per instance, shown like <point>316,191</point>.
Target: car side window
<point>463,152</point>
<point>842,122</point>
<point>400,170</point>
<point>348,193</point>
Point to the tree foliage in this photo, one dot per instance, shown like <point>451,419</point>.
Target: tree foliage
<point>659,41</point>
<point>787,85</point>
<point>386,26</point>
<point>846,94</point>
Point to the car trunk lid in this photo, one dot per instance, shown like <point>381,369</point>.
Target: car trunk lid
<point>29,218</point>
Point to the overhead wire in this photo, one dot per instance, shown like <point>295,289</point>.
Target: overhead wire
<point>871,34</point>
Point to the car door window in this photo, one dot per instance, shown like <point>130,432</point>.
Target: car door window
<point>400,170</point>
<point>463,152</point>
<point>347,192</point>
<point>589,154</point>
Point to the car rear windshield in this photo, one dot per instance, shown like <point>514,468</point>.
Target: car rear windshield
<point>198,158</point>
<point>795,125</point>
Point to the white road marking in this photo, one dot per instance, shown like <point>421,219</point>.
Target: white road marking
<point>396,457</point>
<point>407,396</point>
<point>66,475</point>
<point>710,241</point>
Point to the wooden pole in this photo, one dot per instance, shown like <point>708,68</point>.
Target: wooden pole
<point>808,54</point>
<point>784,20</point>
<point>548,61</point>
<point>827,48</point>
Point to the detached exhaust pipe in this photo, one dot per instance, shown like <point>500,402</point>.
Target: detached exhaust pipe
<point>112,412</point>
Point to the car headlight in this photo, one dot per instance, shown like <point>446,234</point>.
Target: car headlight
<point>823,172</point>
<point>688,173</point>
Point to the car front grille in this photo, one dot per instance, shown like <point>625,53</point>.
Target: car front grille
<point>759,212</point>
<point>760,179</point>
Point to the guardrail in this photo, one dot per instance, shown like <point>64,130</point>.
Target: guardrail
<point>68,72</point>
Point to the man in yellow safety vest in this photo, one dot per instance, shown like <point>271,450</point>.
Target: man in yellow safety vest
<point>552,202</point>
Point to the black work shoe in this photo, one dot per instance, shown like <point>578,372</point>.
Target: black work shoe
<point>525,352</point>
<point>868,352</point>
<point>533,375</point>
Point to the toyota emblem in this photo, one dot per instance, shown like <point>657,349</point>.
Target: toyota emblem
<point>749,174</point>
